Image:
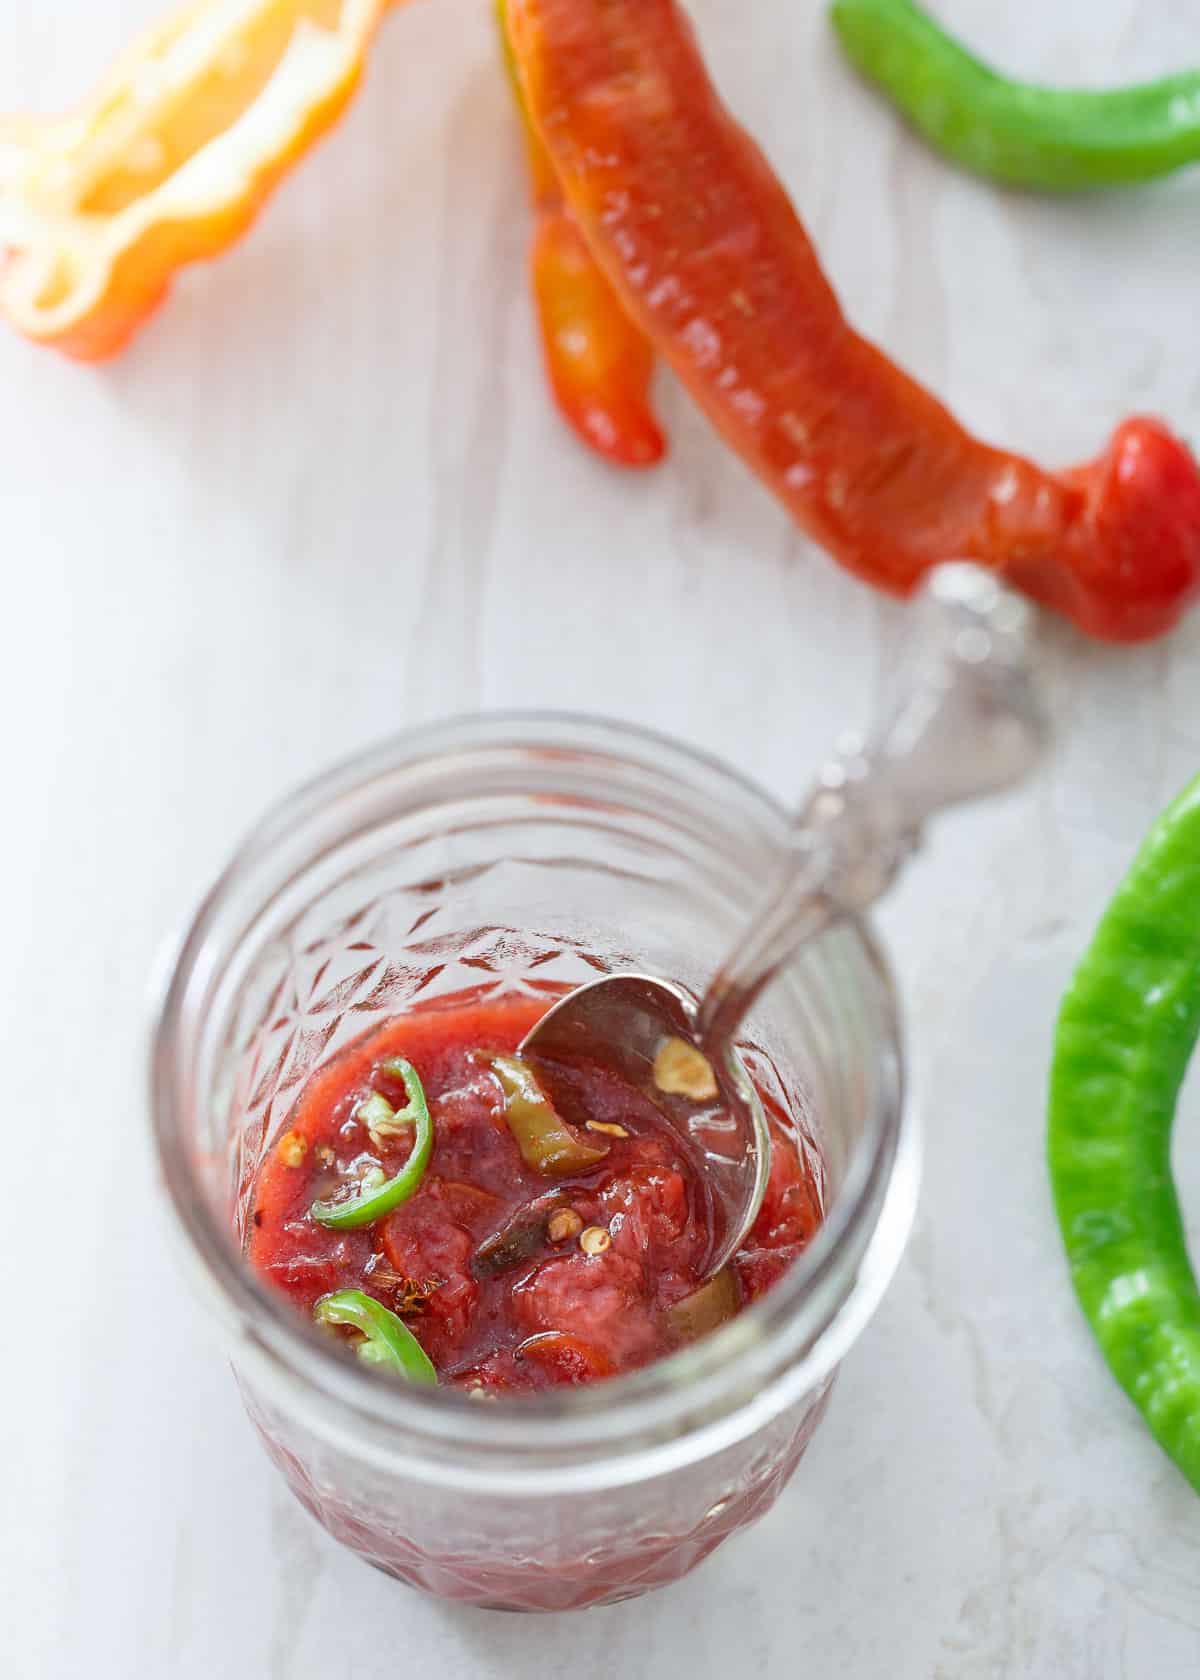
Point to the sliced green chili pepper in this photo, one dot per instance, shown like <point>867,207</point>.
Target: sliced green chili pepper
<point>388,1340</point>
<point>378,1195</point>
<point>1052,139</point>
<point>546,1142</point>
<point>377,1114</point>
<point>706,1308</point>
<point>1126,1030</point>
<point>520,1237</point>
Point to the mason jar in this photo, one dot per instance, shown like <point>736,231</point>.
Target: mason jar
<point>520,854</point>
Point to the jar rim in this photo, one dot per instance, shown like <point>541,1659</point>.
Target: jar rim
<point>692,1401</point>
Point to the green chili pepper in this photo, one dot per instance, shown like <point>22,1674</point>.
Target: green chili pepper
<point>706,1308</point>
<point>520,1237</point>
<point>377,1195</point>
<point>1126,1030</point>
<point>1052,139</point>
<point>378,1115</point>
<point>388,1340</point>
<point>546,1142</point>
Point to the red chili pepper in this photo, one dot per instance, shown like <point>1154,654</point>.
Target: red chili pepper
<point>709,257</point>
<point>565,1358</point>
<point>598,362</point>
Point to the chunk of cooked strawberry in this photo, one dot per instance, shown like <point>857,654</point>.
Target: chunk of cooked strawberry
<point>647,1210</point>
<point>433,1237</point>
<point>791,1210</point>
<point>604,1293</point>
<point>758,1268</point>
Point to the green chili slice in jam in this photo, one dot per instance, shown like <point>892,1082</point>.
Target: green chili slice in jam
<point>377,1195</point>
<point>706,1308</point>
<point>387,1340</point>
<point>546,1142</point>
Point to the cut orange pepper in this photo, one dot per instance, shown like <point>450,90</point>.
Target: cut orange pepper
<point>169,161</point>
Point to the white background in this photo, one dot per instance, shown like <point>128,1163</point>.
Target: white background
<point>324,497</point>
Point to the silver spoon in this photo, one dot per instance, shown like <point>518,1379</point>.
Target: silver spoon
<point>963,720</point>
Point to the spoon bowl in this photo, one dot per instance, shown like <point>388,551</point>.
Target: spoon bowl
<point>646,1032</point>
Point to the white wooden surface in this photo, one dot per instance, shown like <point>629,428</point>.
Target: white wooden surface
<point>316,502</point>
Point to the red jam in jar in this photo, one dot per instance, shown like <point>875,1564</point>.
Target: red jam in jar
<point>522,1260</point>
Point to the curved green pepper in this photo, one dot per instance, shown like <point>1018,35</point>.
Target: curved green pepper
<point>1126,1031</point>
<point>1051,139</point>
<point>387,1339</point>
<point>706,1308</point>
<point>547,1143</point>
<point>377,1195</point>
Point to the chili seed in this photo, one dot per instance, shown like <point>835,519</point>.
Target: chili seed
<point>594,1240</point>
<point>608,1126</point>
<point>293,1146</point>
<point>683,1071</point>
<point>563,1224</point>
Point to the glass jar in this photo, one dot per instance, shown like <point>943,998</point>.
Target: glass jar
<point>501,854</point>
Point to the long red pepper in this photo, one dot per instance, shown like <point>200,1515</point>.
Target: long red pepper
<point>599,364</point>
<point>707,254</point>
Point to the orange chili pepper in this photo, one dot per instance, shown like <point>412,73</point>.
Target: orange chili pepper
<point>709,257</point>
<point>598,362</point>
<point>169,161</point>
